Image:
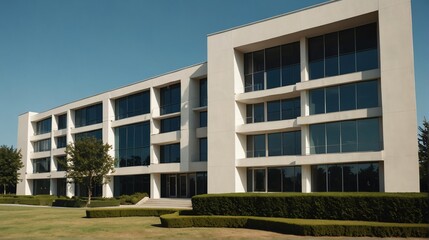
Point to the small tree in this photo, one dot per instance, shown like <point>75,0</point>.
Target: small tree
<point>89,162</point>
<point>10,163</point>
<point>424,156</point>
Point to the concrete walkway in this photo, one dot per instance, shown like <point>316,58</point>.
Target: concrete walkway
<point>184,203</point>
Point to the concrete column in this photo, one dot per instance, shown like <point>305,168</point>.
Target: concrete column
<point>53,190</point>
<point>306,178</point>
<point>155,185</point>
<point>70,189</point>
<point>108,188</point>
<point>304,61</point>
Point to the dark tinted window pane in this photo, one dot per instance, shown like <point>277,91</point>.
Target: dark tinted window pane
<point>348,97</point>
<point>259,180</point>
<point>89,115</point>
<point>317,138</point>
<point>272,58</point>
<point>273,111</point>
<point>201,182</point>
<point>291,74</point>
<point>316,57</point>
<point>350,177</point>
<point>273,78</point>
<point>170,124</point>
<point>288,175</point>
<point>62,121</point>
<point>347,51</point>
<point>258,81</point>
<point>291,54</point>
<point>170,99</point>
<point>348,136</point>
<point>258,61</point>
<point>97,134</point>
<point>335,178</point>
<point>250,148</point>
<point>333,137</point>
<point>317,101</point>
<point>258,115</point>
<point>367,94</point>
<point>318,178</point>
<point>369,134</point>
<point>274,180</point>
<point>298,143</point>
<point>248,64</point>
<point>203,119</point>
<point>249,180</point>
<point>369,177</point>
<point>289,143</point>
<point>274,144</point>
<point>43,126</point>
<point>298,183</point>
<point>61,142</point>
<point>203,92</point>
<point>259,145</point>
<point>331,54</point>
<point>132,143</point>
<point>332,99</point>
<point>366,47</point>
<point>249,113</point>
<point>288,109</point>
<point>248,84</point>
<point>203,149</point>
<point>297,107</point>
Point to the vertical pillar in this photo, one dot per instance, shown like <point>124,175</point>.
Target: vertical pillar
<point>70,189</point>
<point>155,185</point>
<point>306,178</point>
<point>304,61</point>
<point>108,188</point>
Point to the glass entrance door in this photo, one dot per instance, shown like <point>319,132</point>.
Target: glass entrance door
<point>172,186</point>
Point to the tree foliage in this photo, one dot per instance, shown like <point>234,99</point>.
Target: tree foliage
<point>424,155</point>
<point>10,163</point>
<point>88,163</point>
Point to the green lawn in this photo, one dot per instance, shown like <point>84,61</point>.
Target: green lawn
<point>22,222</point>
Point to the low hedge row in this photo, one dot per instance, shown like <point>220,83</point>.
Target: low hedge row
<point>128,212</point>
<point>132,199</point>
<point>378,207</point>
<point>44,200</point>
<point>303,227</point>
<point>82,203</point>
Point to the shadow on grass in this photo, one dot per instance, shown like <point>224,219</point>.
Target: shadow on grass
<point>159,225</point>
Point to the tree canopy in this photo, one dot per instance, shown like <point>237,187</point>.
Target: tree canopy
<point>10,163</point>
<point>89,162</point>
<point>423,140</point>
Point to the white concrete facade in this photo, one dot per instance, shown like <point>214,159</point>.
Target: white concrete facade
<point>227,132</point>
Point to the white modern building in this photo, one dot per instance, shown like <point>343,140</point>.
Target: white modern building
<point>320,99</point>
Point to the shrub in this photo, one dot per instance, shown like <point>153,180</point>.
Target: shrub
<point>45,200</point>
<point>132,199</point>
<point>300,226</point>
<point>128,212</point>
<point>106,202</point>
<point>380,207</point>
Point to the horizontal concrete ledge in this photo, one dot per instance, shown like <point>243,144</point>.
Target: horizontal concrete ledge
<point>340,116</point>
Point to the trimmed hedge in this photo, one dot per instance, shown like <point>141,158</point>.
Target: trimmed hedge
<point>132,199</point>
<point>44,200</point>
<point>304,227</point>
<point>377,207</point>
<point>129,212</point>
<point>82,203</point>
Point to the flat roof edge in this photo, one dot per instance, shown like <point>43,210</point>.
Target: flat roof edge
<point>273,17</point>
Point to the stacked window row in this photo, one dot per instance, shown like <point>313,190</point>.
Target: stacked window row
<point>274,144</point>
<point>274,179</point>
<point>345,97</point>
<point>275,110</point>
<point>272,67</point>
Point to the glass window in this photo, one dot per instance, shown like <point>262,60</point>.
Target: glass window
<point>249,113</point>
<point>249,180</point>
<point>316,57</point>
<point>258,61</point>
<point>273,110</point>
<point>272,58</point>
<point>350,177</point>
<point>132,144</point>
<point>41,165</point>
<point>317,139</point>
<point>273,78</point>
<point>201,182</point>
<point>348,97</point>
<point>248,63</point>
<point>274,179</point>
<point>203,92</point>
<point>274,144</point>
<point>132,105</point>
<point>43,126</point>
<point>258,112</point>
<point>291,108</point>
<point>335,178</point>
<point>62,121</point>
<point>259,180</point>
<point>61,142</point>
<point>97,134</point>
<point>203,119</point>
<point>333,137</point>
<point>317,101</point>
<point>170,153</point>
<point>369,134</point>
<point>332,99</point>
<point>258,81</point>
<point>170,99</point>
<point>130,184</point>
<point>203,149</point>
<point>291,143</point>
<point>347,51</point>
<point>368,177</point>
<point>249,146</point>
<point>41,186</point>
<point>366,47</point>
<point>331,54</point>
<point>259,145</point>
<point>61,162</point>
<point>89,115</point>
<point>367,94</point>
<point>291,64</point>
<point>170,124</point>
<point>318,178</point>
<point>348,136</point>
<point>42,145</point>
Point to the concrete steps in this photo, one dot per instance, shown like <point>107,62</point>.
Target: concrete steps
<point>166,203</point>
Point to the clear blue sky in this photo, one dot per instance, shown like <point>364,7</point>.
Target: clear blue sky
<point>56,51</point>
